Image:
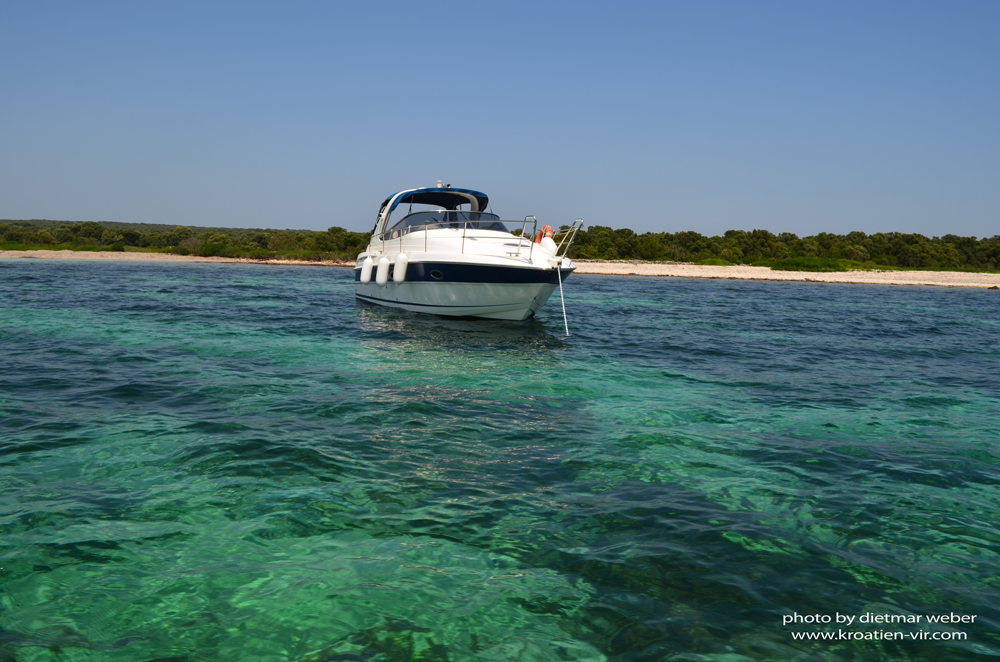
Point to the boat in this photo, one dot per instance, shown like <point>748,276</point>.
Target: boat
<point>458,259</point>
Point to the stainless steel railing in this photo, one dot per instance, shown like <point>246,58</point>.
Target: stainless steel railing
<point>571,235</point>
<point>566,241</point>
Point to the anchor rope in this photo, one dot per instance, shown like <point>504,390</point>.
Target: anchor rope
<point>561,298</point>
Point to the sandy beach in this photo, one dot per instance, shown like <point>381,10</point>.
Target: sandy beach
<point>617,268</point>
<point>742,272</point>
<point>158,257</point>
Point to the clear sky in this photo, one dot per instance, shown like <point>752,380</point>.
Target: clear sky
<point>660,116</point>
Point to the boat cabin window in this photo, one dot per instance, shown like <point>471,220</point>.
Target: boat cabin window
<point>442,218</point>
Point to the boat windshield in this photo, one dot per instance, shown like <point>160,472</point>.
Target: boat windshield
<point>442,218</point>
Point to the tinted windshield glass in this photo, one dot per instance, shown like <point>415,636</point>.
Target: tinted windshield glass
<point>475,220</point>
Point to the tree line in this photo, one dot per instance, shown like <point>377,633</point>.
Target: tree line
<point>335,243</point>
<point>820,252</point>
<point>823,251</point>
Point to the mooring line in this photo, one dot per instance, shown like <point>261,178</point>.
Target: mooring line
<point>561,298</point>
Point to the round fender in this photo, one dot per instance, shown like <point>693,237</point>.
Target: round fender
<point>382,274</point>
<point>366,270</point>
<point>399,271</point>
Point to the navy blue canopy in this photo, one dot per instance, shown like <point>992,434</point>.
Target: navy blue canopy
<point>449,198</point>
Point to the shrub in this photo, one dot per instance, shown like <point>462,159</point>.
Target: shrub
<point>109,237</point>
<point>64,234</point>
<point>11,232</point>
<point>215,250</point>
<point>258,240</point>
<point>216,238</point>
<point>91,230</point>
<point>649,247</point>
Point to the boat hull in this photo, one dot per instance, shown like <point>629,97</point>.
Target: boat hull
<point>465,290</point>
<point>505,301</point>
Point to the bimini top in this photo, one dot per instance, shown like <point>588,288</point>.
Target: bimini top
<point>449,198</point>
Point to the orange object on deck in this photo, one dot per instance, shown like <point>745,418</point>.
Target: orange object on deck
<point>546,231</point>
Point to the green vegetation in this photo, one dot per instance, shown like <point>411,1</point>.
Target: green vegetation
<point>786,251</point>
<point>822,252</point>
<point>333,244</point>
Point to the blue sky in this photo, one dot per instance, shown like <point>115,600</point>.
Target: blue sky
<point>659,116</point>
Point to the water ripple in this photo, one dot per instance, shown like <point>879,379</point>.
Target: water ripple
<point>225,462</point>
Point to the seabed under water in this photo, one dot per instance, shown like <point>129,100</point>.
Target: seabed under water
<point>228,462</point>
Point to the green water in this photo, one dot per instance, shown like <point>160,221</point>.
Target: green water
<point>219,462</point>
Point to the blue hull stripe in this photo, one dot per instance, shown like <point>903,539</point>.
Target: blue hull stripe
<point>410,303</point>
<point>451,272</point>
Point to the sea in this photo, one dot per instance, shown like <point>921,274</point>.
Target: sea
<point>220,462</point>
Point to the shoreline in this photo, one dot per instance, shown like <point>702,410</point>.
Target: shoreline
<point>745,272</point>
<point>608,268</point>
<point>128,256</point>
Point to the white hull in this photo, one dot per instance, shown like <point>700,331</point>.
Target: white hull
<point>505,301</point>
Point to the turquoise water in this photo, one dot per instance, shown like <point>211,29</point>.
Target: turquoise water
<point>227,462</point>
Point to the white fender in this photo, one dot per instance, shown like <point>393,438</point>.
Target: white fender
<point>399,271</point>
<point>366,270</point>
<point>549,244</point>
<point>382,275</point>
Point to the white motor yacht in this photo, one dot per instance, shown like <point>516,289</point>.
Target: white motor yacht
<point>459,259</point>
